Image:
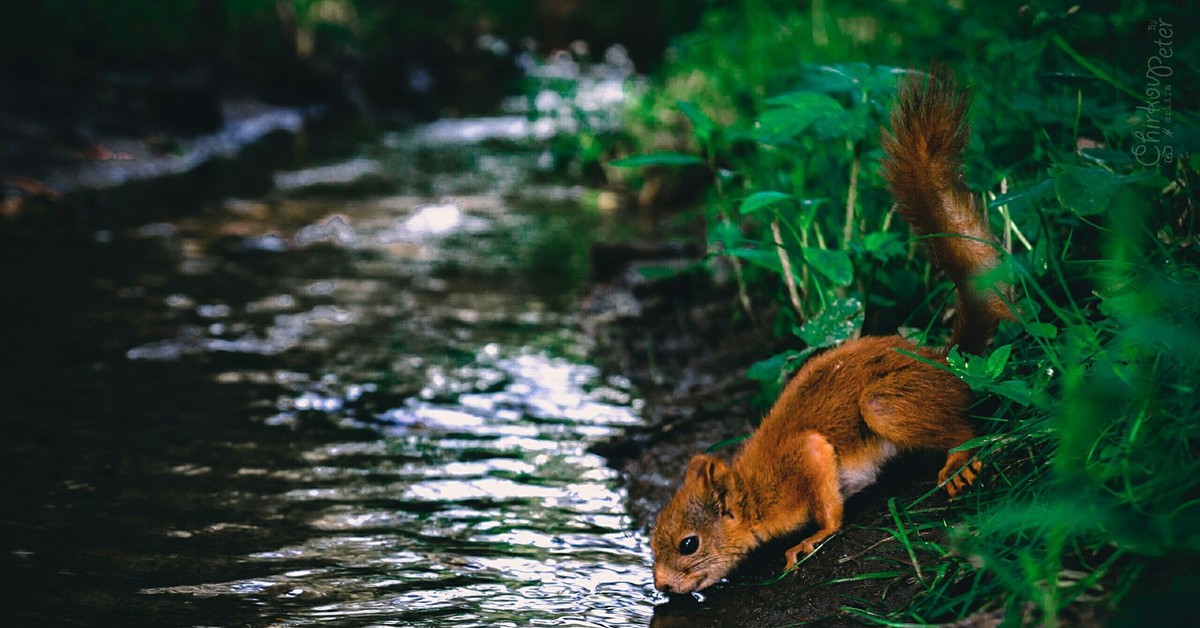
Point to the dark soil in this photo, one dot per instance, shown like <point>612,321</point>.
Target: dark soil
<point>683,344</point>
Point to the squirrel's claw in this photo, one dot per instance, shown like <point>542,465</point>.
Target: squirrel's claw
<point>797,552</point>
<point>956,484</point>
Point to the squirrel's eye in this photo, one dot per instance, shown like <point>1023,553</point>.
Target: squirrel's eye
<point>689,545</point>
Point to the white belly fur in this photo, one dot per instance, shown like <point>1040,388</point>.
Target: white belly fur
<point>855,479</point>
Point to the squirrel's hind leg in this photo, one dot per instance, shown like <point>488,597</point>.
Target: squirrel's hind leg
<point>921,407</point>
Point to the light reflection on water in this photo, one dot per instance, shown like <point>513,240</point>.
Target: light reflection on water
<point>471,500</point>
<point>537,531</point>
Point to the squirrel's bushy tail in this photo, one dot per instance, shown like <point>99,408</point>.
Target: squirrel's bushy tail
<point>923,166</point>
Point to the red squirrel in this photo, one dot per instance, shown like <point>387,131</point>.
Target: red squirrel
<point>849,410</point>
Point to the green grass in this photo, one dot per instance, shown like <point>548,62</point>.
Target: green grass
<point>1089,508</point>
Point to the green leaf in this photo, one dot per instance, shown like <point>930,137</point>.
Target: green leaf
<point>761,258</point>
<point>1016,390</point>
<point>813,103</point>
<point>1090,191</point>
<point>725,443</point>
<point>843,77</point>
<point>834,264</point>
<point>792,114</point>
<point>702,125</point>
<point>725,233</point>
<point>852,124</point>
<point>759,200</point>
<point>835,324</point>
<point>665,158</point>
<point>981,375</point>
<point>1086,191</point>
<point>971,369</point>
<point>783,122</point>
<point>998,359</point>
<point>853,77</point>
<point>978,441</point>
<point>884,245</point>
<point>772,369</point>
<point>954,358</point>
<point>1042,330</point>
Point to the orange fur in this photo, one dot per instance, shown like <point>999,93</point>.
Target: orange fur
<point>850,409</point>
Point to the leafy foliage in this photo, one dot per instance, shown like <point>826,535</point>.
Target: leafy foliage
<point>1089,401</point>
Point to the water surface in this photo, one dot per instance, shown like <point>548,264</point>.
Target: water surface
<point>360,399</point>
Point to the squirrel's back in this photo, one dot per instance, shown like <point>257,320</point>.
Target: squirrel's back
<point>923,164</point>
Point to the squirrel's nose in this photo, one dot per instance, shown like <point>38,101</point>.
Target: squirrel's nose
<point>660,582</point>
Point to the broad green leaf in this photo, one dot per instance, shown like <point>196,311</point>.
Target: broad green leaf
<point>834,264</point>
<point>666,158</point>
<point>783,122</point>
<point>759,200</point>
<point>843,77</point>
<point>813,103</point>
<point>997,360</point>
<point>1086,191</point>
<point>835,324</point>
<point>762,258</point>
<point>1016,390</point>
<point>794,113</point>
<point>1090,191</point>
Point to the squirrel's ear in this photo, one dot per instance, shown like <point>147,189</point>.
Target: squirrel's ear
<point>698,466</point>
<point>714,474</point>
<point>709,469</point>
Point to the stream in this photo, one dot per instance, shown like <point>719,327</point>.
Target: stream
<point>360,399</point>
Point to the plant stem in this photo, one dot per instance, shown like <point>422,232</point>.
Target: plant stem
<point>743,295</point>
<point>786,263</point>
<point>887,219</point>
<point>851,198</point>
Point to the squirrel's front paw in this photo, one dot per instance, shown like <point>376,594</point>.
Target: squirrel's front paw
<point>797,552</point>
